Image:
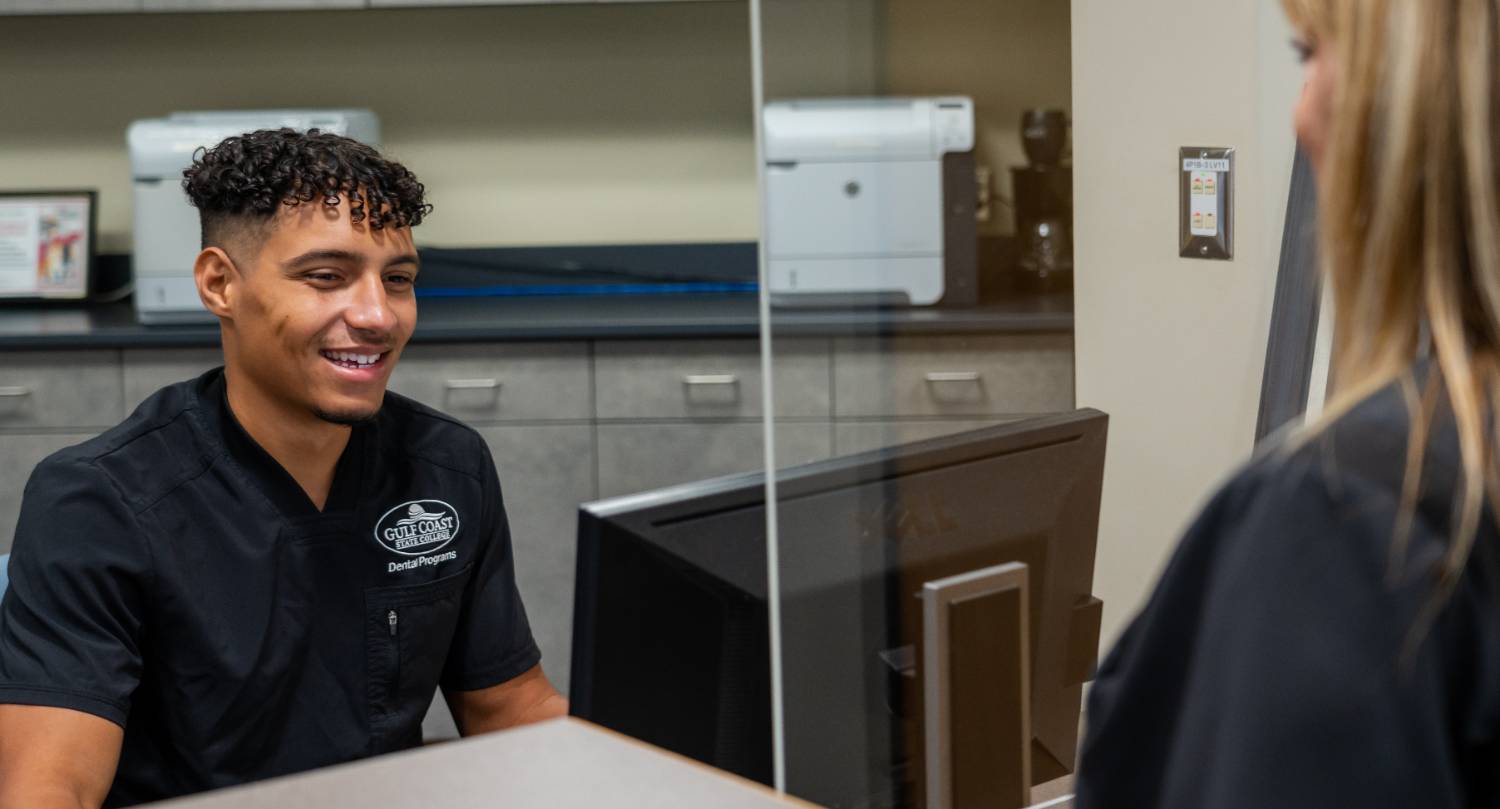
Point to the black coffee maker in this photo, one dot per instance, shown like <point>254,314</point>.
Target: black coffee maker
<point>1044,203</point>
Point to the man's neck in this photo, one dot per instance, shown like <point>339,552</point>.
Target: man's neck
<point>306,446</point>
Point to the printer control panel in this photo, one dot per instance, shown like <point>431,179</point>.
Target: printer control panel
<point>953,123</point>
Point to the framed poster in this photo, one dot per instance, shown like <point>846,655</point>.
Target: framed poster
<point>46,244</point>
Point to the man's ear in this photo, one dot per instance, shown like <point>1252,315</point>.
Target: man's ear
<point>217,278</point>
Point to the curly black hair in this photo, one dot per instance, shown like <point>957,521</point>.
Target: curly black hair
<point>246,178</point>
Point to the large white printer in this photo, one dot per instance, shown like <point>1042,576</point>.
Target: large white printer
<point>167,236</point>
<point>871,199</point>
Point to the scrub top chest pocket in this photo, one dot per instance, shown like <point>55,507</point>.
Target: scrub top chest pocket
<point>408,629</point>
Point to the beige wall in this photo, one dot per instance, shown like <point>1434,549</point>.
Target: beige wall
<point>1009,55</point>
<point>817,48</point>
<point>1172,349</point>
<point>542,124</point>
<point>584,123</point>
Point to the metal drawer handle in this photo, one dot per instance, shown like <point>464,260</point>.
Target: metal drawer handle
<point>14,392</point>
<point>703,380</point>
<point>937,377</point>
<point>472,384</point>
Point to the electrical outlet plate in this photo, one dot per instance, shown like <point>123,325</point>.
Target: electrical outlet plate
<point>1205,179</point>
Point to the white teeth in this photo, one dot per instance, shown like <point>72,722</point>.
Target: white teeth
<point>355,359</point>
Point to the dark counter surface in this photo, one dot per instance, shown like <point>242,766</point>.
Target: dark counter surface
<point>566,293</point>
<point>563,318</point>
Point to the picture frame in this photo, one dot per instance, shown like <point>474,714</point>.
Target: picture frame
<point>48,244</point>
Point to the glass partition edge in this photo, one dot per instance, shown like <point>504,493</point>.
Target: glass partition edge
<point>768,409</point>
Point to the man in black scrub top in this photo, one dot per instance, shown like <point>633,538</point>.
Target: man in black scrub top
<point>272,567</point>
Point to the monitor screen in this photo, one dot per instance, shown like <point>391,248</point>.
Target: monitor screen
<point>46,244</point>
<point>671,621</point>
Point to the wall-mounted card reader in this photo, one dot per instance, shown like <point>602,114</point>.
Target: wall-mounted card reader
<point>1206,192</point>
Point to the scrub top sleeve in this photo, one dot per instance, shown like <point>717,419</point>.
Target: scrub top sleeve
<point>493,642</point>
<point>71,622</point>
<point>1295,694</point>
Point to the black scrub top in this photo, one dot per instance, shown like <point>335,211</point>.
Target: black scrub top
<point>171,577</point>
<point>1270,668</point>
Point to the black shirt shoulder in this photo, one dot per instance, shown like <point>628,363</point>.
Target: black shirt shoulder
<point>73,621</point>
<point>415,430</point>
<point>1296,651</point>
<point>155,450</point>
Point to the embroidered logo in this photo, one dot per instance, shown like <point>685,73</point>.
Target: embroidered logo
<point>417,527</point>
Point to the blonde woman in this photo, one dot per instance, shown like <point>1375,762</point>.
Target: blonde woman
<point>1328,633</point>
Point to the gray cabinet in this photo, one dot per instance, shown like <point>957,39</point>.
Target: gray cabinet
<point>59,389</point>
<point>68,6</point>
<point>572,421</point>
<point>992,375</point>
<point>148,370</point>
<point>499,382</point>
<point>640,457</point>
<point>712,379</point>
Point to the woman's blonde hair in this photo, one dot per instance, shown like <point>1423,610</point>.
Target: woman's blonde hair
<point>1410,224</point>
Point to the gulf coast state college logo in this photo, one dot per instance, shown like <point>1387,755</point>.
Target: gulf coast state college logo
<point>418,528</point>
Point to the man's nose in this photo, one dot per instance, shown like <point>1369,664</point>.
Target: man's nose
<point>369,308</point>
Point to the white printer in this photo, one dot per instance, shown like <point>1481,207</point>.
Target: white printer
<point>871,199</point>
<point>167,236</point>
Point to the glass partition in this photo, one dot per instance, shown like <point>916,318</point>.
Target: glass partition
<point>932,621</point>
<point>591,305</point>
<point>587,300</point>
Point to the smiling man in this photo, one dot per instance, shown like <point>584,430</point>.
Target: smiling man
<point>274,566</point>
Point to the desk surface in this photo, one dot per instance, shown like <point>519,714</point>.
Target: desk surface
<point>561,764</point>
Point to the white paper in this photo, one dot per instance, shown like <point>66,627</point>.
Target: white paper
<point>18,246</point>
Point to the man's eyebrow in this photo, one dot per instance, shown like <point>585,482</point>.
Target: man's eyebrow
<point>324,255</point>
<point>346,256</point>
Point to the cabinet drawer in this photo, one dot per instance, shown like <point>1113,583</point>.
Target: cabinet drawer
<point>953,376</point>
<point>148,370</point>
<point>479,382</point>
<point>708,379</point>
<point>19,454</point>
<point>60,389</point>
<point>640,457</point>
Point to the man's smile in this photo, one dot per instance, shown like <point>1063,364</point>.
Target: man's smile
<point>360,359</point>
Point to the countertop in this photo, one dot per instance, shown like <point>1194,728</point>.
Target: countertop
<point>568,293</point>
<point>563,318</point>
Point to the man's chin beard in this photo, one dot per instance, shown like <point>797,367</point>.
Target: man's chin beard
<point>347,418</point>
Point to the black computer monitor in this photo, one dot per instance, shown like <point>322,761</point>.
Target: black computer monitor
<point>671,628</point>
